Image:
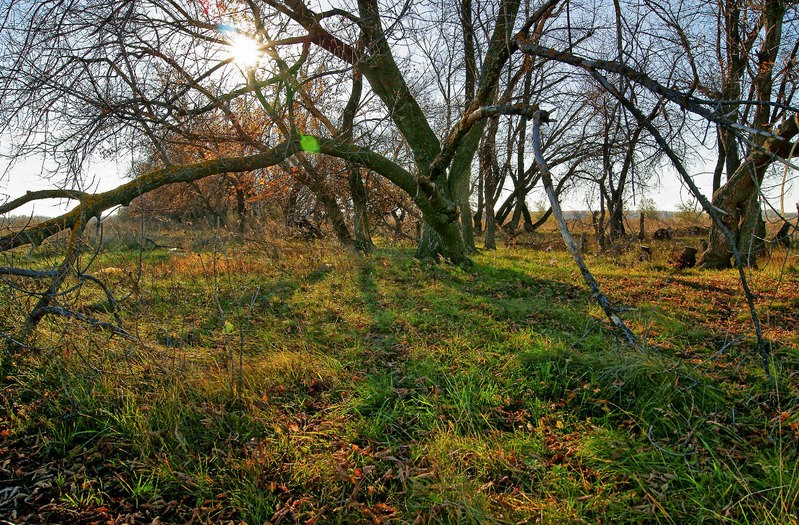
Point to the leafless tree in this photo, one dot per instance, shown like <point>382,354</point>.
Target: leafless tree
<point>88,78</point>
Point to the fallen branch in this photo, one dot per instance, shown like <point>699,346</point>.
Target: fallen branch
<point>31,196</point>
<point>93,205</point>
<point>57,310</point>
<point>33,274</point>
<point>57,280</point>
<point>113,303</point>
<point>546,177</point>
<point>706,204</point>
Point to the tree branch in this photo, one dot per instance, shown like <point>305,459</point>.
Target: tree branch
<point>465,124</point>
<point>546,177</point>
<point>686,102</point>
<point>57,310</point>
<point>706,204</point>
<point>93,205</point>
<point>33,274</point>
<point>40,195</point>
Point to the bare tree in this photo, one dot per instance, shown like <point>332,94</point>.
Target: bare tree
<point>739,197</point>
<point>130,68</point>
<point>87,77</point>
<point>748,72</point>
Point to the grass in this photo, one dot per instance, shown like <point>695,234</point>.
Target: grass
<point>298,383</point>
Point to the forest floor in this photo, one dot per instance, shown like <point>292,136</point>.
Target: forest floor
<point>290,382</point>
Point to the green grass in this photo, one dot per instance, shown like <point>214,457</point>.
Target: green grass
<point>386,390</point>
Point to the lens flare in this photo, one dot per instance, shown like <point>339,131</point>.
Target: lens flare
<point>244,50</point>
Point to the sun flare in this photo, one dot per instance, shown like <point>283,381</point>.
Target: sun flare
<point>244,50</point>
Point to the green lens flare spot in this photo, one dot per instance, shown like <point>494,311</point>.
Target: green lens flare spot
<point>309,144</point>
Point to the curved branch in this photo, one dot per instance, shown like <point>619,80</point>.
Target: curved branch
<point>546,177</point>
<point>706,204</point>
<point>426,194</point>
<point>63,312</point>
<point>40,195</point>
<point>465,124</point>
<point>93,205</point>
<point>374,161</point>
<point>689,103</point>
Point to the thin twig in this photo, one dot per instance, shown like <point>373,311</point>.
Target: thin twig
<point>58,310</point>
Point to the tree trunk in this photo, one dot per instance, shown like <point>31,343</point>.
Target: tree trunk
<point>616,208</point>
<point>336,219</point>
<point>467,228</point>
<point>737,198</point>
<point>751,238</point>
<point>450,245</point>
<point>241,208</point>
<point>641,229</point>
<point>442,215</point>
<point>514,220</point>
<point>290,211</point>
<point>443,234</point>
<point>529,225</point>
<point>491,230</point>
<point>600,223</point>
<point>487,160</point>
<point>398,220</point>
<point>478,213</point>
<point>459,185</point>
<point>363,238</point>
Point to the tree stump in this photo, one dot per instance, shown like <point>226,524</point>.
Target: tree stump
<point>784,235</point>
<point>663,234</point>
<point>685,259</point>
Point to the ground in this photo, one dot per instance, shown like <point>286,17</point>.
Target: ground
<point>291,382</point>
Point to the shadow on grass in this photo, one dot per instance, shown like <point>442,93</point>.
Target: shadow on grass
<point>494,363</point>
<point>413,393</point>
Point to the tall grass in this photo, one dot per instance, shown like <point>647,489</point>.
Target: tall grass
<point>308,385</point>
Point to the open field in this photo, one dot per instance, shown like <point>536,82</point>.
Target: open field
<point>290,382</point>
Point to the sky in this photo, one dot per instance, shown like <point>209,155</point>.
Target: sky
<point>105,175</point>
<point>26,176</point>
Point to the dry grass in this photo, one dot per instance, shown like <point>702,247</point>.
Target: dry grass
<point>286,382</point>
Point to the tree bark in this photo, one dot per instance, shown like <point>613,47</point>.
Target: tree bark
<point>363,238</point>
<point>752,243</point>
<point>336,219</point>
<point>489,169</point>
<point>616,219</point>
<point>478,213</point>
<point>641,228</point>
<point>737,197</point>
<point>241,208</point>
<point>513,225</point>
<point>599,224</point>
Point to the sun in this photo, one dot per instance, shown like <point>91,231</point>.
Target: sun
<point>244,50</point>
